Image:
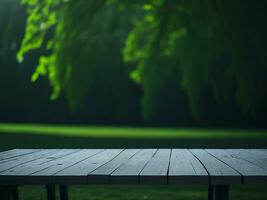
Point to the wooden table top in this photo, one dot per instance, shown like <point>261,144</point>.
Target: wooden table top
<point>133,166</point>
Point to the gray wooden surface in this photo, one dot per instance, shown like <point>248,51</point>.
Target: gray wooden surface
<point>185,168</point>
<point>133,166</point>
<point>247,167</point>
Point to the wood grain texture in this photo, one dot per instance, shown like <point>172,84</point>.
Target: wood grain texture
<point>23,172</point>
<point>251,172</point>
<point>11,154</point>
<point>186,169</point>
<point>102,174</point>
<point>51,175</point>
<point>257,158</point>
<point>219,172</point>
<point>156,170</point>
<point>133,166</point>
<point>77,174</point>
<point>7,176</point>
<point>129,172</point>
<point>25,159</point>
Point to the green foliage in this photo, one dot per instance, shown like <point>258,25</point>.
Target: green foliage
<point>42,17</point>
<point>166,40</point>
<point>195,36</point>
<point>77,44</point>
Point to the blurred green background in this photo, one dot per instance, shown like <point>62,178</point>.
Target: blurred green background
<point>134,63</point>
<point>143,73</point>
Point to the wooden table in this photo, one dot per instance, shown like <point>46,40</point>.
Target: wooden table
<point>216,168</point>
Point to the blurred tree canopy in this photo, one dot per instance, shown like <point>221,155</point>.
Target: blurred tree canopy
<point>188,47</point>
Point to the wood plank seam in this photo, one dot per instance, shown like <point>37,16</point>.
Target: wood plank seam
<point>146,165</point>
<point>129,172</point>
<point>242,158</point>
<point>22,163</point>
<point>40,170</point>
<point>242,177</point>
<point>109,181</point>
<point>10,157</point>
<point>169,167</point>
<point>14,157</point>
<point>47,161</point>
<point>106,162</point>
<point>202,165</point>
<point>47,175</point>
<point>79,161</point>
<point>251,172</point>
<point>35,165</point>
<point>213,167</point>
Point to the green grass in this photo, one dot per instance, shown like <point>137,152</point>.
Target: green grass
<point>51,136</point>
<point>131,132</point>
<point>132,192</point>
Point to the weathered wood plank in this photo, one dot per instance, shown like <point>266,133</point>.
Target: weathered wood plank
<point>186,169</point>
<point>132,166</point>
<point>128,172</point>
<point>259,160</point>
<point>6,155</point>
<point>21,172</point>
<point>77,174</point>
<point>102,174</point>
<point>257,152</point>
<point>156,170</point>
<point>25,159</point>
<point>251,173</point>
<point>49,176</point>
<point>37,164</point>
<point>219,172</point>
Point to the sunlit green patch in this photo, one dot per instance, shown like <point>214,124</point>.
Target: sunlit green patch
<point>131,132</point>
